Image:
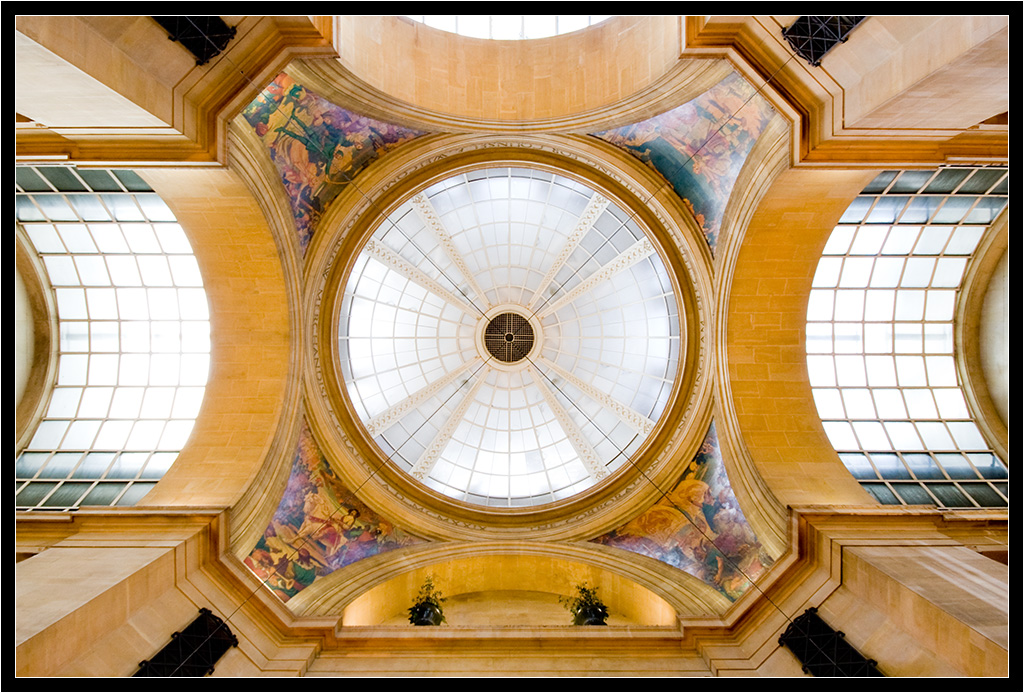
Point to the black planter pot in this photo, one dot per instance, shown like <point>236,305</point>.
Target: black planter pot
<point>590,616</point>
<point>425,615</point>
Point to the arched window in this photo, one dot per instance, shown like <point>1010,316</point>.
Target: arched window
<point>133,338</point>
<point>880,346</point>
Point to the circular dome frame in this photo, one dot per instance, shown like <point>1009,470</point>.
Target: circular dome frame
<point>355,216</point>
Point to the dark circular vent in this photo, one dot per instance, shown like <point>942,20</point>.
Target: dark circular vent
<point>508,337</point>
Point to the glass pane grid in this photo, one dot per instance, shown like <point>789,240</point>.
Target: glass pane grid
<point>880,338</point>
<point>134,337</point>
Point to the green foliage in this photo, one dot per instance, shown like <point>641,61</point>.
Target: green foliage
<point>585,599</point>
<point>429,596</point>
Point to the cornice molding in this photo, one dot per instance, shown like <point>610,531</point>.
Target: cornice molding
<point>767,160</point>
<point>742,639</point>
<point>683,592</point>
<point>814,102</point>
<point>682,83</point>
<point>204,101</point>
<point>249,159</point>
<point>43,370</point>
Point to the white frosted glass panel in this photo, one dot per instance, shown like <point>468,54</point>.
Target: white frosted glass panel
<point>827,273</point>
<point>935,435</point>
<point>856,272</point>
<point>949,271</point>
<point>821,371</point>
<point>858,404</point>
<point>869,240</point>
<point>951,403</point>
<point>871,436</point>
<point>850,371</point>
<point>839,240</point>
<point>889,403</point>
<point>903,435</point>
<point>829,403</point>
<point>966,435</point>
<point>819,338</point>
<point>887,272</point>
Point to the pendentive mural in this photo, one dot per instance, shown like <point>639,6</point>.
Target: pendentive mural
<point>701,146</point>
<point>319,526</point>
<point>698,527</point>
<point>318,147</point>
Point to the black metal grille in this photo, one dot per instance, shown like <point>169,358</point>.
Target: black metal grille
<point>204,37</point>
<point>192,652</point>
<point>812,37</point>
<point>508,337</point>
<point>823,651</point>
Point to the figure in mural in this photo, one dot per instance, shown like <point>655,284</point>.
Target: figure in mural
<point>698,527</point>
<point>318,527</point>
<point>318,147</point>
<point>701,146</point>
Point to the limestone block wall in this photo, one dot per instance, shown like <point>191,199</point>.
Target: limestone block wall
<point>924,610</point>
<point>250,332</point>
<point>516,80</point>
<point>767,358</point>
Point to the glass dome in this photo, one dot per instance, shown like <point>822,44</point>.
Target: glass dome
<point>509,337</point>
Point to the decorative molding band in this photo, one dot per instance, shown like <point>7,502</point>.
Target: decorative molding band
<point>681,82</point>
<point>579,443</point>
<point>626,259</point>
<point>429,216</point>
<point>42,371</point>
<point>387,418</point>
<point>968,319</point>
<point>594,209</point>
<point>768,159</point>
<point>250,516</point>
<point>428,459</point>
<point>392,260</point>
<point>632,418</point>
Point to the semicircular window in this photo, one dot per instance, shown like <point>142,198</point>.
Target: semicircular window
<point>880,346</point>
<point>509,27</point>
<point>509,337</point>
<point>134,338</point>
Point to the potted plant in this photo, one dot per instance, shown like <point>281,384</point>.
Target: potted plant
<point>427,609</point>
<point>586,607</point>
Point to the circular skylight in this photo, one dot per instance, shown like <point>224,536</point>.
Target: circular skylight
<point>509,337</point>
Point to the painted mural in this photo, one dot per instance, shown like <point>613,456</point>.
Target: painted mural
<point>701,146</point>
<point>318,527</point>
<point>698,527</point>
<point>318,147</point>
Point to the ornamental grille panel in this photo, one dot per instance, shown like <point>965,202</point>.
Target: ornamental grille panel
<point>812,37</point>
<point>508,337</point>
<point>203,37</point>
<point>823,651</point>
<point>193,651</point>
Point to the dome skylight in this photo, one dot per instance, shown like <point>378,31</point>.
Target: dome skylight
<point>509,337</point>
